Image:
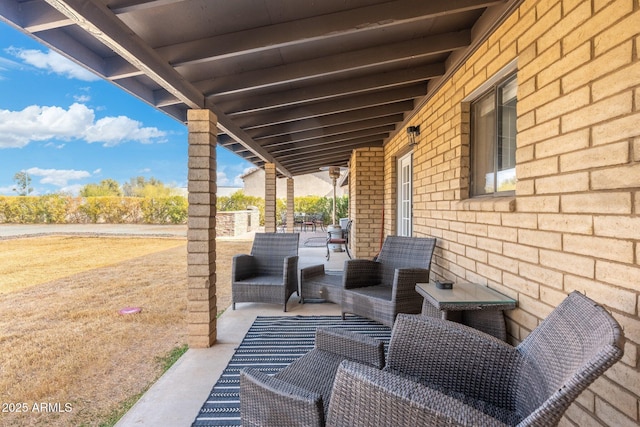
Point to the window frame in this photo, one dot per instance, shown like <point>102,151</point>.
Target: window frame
<point>493,88</point>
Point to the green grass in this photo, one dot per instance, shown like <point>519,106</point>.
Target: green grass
<point>171,357</point>
<point>164,362</point>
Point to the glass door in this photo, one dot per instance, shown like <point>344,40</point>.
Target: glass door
<point>405,190</point>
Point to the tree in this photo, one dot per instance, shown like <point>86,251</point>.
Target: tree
<point>23,183</point>
<point>141,187</point>
<point>106,187</point>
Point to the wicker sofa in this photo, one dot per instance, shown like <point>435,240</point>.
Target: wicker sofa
<point>443,373</point>
<point>381,289</point>
<point>270,273</point>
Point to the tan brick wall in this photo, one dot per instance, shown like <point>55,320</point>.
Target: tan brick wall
<point>290,205</point>
<point>270,220</point>
<point>575,219</point>
<point>235,223</point>
<point>201,234</point>
<point>366,200</point>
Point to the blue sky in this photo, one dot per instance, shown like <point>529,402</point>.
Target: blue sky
<point>66,128</point>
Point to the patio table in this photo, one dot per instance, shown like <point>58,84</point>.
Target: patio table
<point>472,304</point>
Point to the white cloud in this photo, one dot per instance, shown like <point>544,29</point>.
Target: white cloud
<point>82,98</point>
<point>73,189</point>
<point>53,62</point>
<point>58,177</point>
<point>36,123</point>
<point>222,179</point>
<point>7,190</point>
<point>238,181</point>
<point>115,130</point>
<point>7,64</point>
<point>56,146</point>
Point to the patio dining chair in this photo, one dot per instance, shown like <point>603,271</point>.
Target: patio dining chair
<point>342,239</point>
<point>381,289</point>
<point>270,273</point>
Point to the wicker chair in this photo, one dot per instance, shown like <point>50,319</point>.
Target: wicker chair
<point>270,273</point>
<point>299,394</point>
<point>381,289</point>
<point>444,373</point>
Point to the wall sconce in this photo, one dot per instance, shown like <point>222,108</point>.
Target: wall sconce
<point>413,131</point>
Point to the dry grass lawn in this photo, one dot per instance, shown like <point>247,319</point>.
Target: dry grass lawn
<point>62,341</point>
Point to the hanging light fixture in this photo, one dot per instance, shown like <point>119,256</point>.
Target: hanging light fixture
<point>413,132</point>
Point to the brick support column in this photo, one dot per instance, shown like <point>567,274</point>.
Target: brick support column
<point>290,205</point>
<point>270,198</point>
<point>366,196</point>
<point>201,234</point>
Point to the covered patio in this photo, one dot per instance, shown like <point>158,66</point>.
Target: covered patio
<point>505,129</point>
<point>177,397</point>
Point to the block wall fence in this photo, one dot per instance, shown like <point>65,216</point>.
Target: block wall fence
<point>574,221</point>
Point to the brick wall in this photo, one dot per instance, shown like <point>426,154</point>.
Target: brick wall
<point>270,219</point>
<point>574,222</point>
<point>235,223</point>
<point>366,195</point>
<point>201,234</point>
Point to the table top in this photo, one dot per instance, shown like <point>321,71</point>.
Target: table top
<point>465,296</point>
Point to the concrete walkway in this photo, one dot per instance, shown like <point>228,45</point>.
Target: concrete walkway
<point>150,230</point>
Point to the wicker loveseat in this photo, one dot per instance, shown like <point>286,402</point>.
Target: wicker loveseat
<point>442,373</point>
<point>381,289</point>
<point>270,273</point>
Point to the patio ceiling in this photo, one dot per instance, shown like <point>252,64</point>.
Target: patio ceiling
<point>293,82</point>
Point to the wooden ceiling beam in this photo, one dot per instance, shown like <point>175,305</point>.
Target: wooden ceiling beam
<point>332,90</point>
<point>300,31</point>
<point>307,153</point>
<point>330,131</point>
<point>374,99</point>
<point>333,119</point>
<point>242,83</point>
<point>374,133</point>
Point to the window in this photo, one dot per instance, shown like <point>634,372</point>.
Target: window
<point>493,140</point>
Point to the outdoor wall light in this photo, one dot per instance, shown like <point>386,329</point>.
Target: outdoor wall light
<point>413,131</point>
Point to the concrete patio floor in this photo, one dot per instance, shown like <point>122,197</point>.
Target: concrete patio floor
<point>176,398</point>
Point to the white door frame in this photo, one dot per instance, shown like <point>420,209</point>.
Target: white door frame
<point>405,195</point>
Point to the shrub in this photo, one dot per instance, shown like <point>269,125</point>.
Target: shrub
<point>57,208</point>
<point>53,208</point>
<point>239,201</point>
<point>164,210</point>
<point>20,209</point>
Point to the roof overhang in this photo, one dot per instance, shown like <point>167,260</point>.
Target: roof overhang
<point>297,84</point>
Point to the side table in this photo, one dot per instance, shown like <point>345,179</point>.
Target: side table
<point>472,304</point>
<point>315,283</point>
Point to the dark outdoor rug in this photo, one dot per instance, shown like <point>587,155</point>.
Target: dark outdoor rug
<point>272,343</point>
